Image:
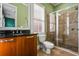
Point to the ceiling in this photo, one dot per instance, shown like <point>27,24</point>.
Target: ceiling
<point>55,4</point>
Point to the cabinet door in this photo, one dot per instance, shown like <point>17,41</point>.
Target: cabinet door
<point>32,45</point>
<point>20,46</point>
<point>7,47</point>
<point>26,46</point>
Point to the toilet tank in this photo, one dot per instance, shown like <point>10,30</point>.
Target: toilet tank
<point>42,37</point>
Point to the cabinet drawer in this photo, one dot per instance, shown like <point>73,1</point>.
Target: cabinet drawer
<point>30,37</point>
<point>7,40</point>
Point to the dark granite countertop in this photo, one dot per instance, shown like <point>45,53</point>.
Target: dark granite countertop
<point>16,35</point>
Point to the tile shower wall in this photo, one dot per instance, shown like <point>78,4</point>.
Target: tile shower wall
<point>73,27</point>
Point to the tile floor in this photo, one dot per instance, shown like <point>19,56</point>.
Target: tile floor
<point>54,52</point>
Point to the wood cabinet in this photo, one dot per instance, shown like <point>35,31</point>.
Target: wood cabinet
<point>19,46</point>
<point>7,47</point>
<point>27,45</point>
<point>30,45</point>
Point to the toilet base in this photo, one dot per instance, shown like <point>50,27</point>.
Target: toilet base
<point>47,51</point>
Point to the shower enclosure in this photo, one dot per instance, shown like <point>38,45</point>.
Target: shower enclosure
<point>68,28</point>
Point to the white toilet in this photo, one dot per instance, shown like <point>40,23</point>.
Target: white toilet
<point>45,45</point>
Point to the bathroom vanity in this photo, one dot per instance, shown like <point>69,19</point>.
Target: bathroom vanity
<point>18,45</point>
<point>15,37</point>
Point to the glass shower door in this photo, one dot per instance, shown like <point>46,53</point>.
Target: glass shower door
<point>62,30</point>
<point>68,29</point>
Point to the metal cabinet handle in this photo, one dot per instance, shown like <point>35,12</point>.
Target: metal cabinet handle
<point>11,40</point>
<point>30,37</point>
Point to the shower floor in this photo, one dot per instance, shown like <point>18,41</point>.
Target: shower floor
<point>73,48</point>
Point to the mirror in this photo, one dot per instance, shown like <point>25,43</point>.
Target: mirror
<point>22,15</point>
<point>0,15</point>
<point>9,15</point>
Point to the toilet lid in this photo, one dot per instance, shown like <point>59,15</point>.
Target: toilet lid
<point>48,43</point>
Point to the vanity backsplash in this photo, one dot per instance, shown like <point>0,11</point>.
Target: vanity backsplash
<point>8,33</point>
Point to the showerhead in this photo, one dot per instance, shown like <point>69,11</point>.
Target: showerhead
<point>76,8</point>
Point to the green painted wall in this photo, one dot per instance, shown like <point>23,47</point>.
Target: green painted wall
<point>64,5</point>
<point>22,15</point>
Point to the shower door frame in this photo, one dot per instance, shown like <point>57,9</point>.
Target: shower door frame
<point>78,28</point>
